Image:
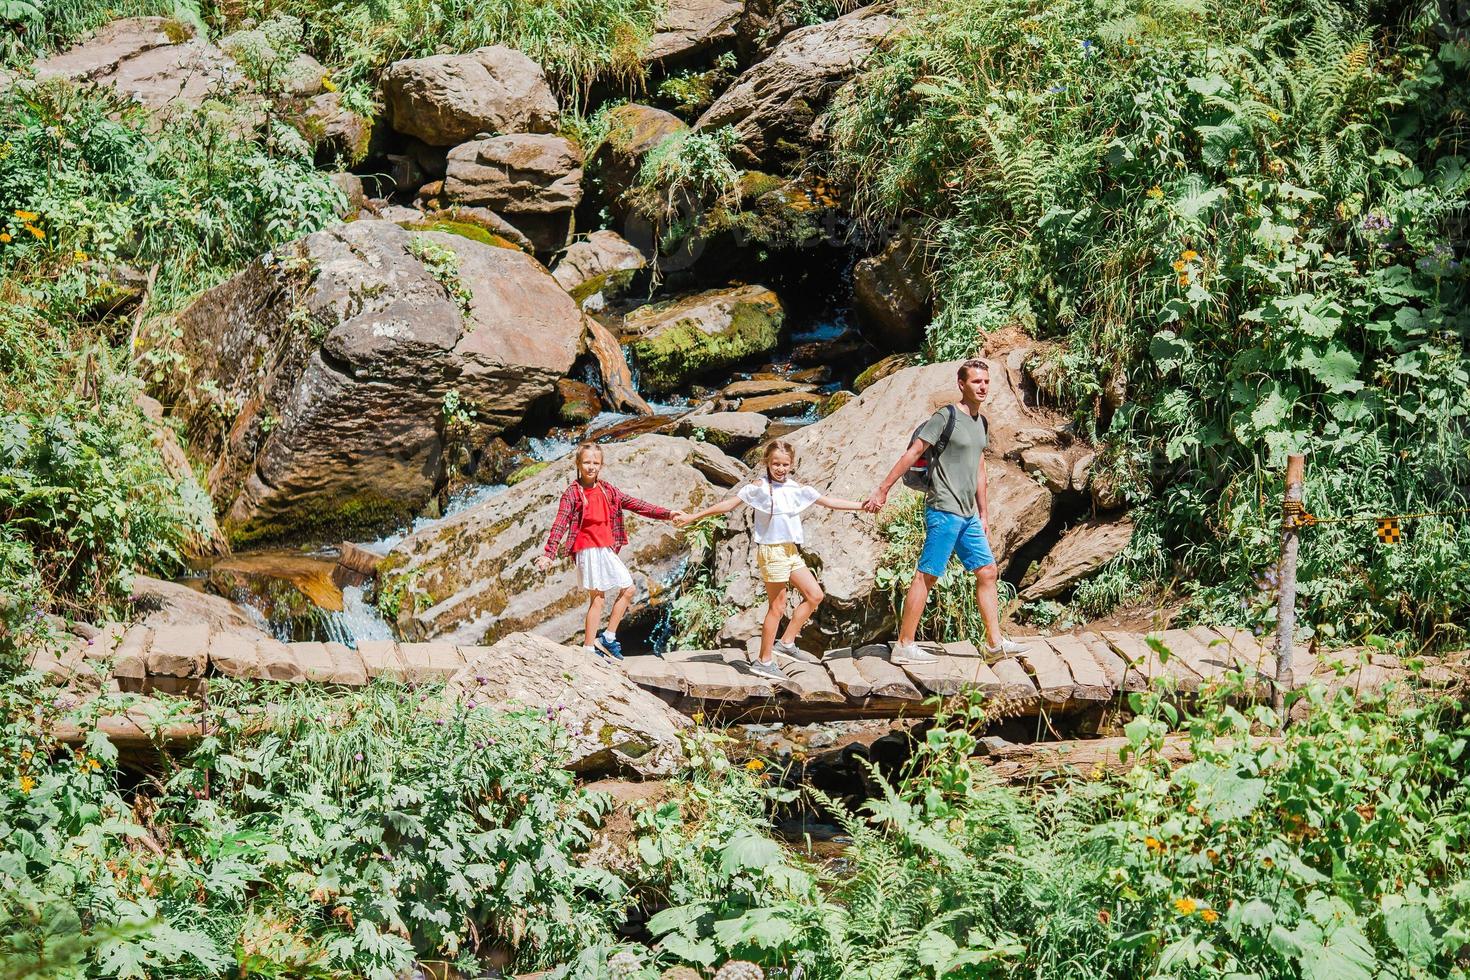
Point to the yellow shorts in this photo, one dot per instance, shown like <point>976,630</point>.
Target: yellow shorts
<point>776,562</point>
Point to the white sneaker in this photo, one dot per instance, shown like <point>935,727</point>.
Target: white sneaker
<point>910,653</point>
<point>1007,648</point>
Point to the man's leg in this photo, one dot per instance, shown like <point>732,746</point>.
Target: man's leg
<point>913,606</point>
<point>987,597</point>
<point>941,530</point>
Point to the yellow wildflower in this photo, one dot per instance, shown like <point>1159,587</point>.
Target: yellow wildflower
<point>699,717</point>
<point>79,255</point>
<point>1185,906</point>
<point>1153,844</point>
<point>1273,115</point>
<point>94,765</point>
<point>1180,265</point>
<point>4,236</point>
<point>1189,255</point>
<point>755,765</point>
<point>26,215</point>
<point>27,784</point>
<point>1155,192</point>
<point>1132,41</point>
<point>35,231</point>
<point>328,84</point>
<point>1209,915</point>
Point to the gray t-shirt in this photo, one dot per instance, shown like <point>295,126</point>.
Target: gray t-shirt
<point>955,476</point>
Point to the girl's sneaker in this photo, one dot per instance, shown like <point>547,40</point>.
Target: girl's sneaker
<point>595,654</point>
<point>767,670</point>
<point>790,651</point>
<point>610,645</point>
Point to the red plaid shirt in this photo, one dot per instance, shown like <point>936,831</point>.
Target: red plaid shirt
<point>573,503</point>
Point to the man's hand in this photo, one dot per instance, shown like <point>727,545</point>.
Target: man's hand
<point>543,563</point>
<point>875,503</point>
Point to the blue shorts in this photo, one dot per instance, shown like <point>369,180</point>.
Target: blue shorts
<point>948,534</point>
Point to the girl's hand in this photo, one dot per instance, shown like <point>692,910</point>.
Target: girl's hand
<point>543,562</point>
<point>681,519</point>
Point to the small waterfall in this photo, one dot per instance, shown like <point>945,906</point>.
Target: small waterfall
<point>359,620</point>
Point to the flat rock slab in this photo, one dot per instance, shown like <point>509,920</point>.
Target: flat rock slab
<point>708,675</point>
<point>1089,683</point>
<point>844,670</point>
<point>179,650</point>
<point>347,667</point>
<point>316,663</point>
<point>433,661</point>
<point>885,678</point>
<point>1053,679</point>
<point>234,654</point>
<point>654,673</point>
<point>380,658</point>
<point>1015,682</point>
<point>277,662</point>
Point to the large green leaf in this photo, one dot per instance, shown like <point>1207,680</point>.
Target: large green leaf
<point>1336,369</point>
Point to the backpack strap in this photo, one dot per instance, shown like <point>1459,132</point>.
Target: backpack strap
<point>943,442</point>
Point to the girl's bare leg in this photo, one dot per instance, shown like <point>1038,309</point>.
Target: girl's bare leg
<point>775,609</point>
<point>620,608</point>
<point>811,597</point>
<point>594,617</point>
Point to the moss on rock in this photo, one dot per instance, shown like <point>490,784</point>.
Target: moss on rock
<point>693,336</point>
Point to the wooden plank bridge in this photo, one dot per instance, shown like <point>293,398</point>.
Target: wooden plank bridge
<point>1057,674</point>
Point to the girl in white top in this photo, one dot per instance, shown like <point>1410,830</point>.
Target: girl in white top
<point>778,503</point>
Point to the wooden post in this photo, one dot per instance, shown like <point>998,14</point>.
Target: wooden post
<point>1291,509</point>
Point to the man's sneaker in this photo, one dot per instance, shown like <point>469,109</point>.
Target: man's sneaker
<point>910,653</point>
<point>790,651</point>
<point>610,645</point>
<point>770,670</point>
<point>1006,648</point>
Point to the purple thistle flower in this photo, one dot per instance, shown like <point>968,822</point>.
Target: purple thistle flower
<point>358,756</point>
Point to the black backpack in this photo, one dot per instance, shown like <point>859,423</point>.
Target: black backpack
<point>919,476</point>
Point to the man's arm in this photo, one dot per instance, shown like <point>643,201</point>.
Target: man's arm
<point>916,449</point>
<point>982,499</point>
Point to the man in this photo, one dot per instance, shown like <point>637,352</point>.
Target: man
<point>956,512</point>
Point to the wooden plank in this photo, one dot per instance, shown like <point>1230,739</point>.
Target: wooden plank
<point>347,667</point>
<point>1249,653</point>
<point>844,670</point>
<point>179,650</point>
<point>1217,650</point>
<point>1015,682</point>
<point>946,678</point>
<point>1182,644</point>
<point>885,678</point>
<point>1089,683</point>
<point>655,674</point>
<point>429,662</point>
<point>1053,679</point>
<point>316,662</point>
<point>973,665</point>
<point>1114,667</point>
<point>1141,658</point>
<point>708,676</point>
<point>812,684</point>
<point>381,659</point>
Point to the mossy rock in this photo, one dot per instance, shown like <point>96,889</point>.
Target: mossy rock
<point>875,373</point>
<point>317,521</point>
<point>464,229</point>
<point>524,473</point>
<point>695,335</point>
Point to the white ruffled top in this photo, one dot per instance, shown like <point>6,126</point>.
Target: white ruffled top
<point>778,508</point>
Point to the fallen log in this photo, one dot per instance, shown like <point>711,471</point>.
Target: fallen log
<point>617,377</point>
<point>1091,757</point>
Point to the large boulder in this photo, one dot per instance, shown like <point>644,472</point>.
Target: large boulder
<point>1080,552</point>
<point>472,578</point>
<point>774,103</point>
<point>690,27</point>
<point>333,130</point>
<point>633,131</point>
<point>846,454</point>
<point>681,339</point>
<point>734,432</point>
<point>446,99</point>
<point>891,295</point>
<point>318,375</point>
<point>600,264</point>
<point>534,182</point>
<point>614,724</point>
<point>158,61</point>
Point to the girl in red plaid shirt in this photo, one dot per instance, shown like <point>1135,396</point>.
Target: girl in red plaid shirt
<point>589,525</point>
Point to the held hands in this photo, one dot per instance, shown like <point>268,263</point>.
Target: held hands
<point>875,503</point>
<point>682,519</point>
<point>543,563</point>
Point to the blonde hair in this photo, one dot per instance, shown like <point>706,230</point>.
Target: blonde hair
<point>583,448</point>
<point>777,446</point>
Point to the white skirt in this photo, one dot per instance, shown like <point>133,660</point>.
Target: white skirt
<point>600,569</point>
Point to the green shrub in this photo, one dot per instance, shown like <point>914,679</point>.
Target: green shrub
<point>346,836</point>
<point>1241,217</point>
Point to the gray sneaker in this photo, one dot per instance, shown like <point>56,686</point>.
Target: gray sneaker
<point>1006,648</point>
<point>767,670</point>
<point>790,651</point>
<point>910,653</point>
